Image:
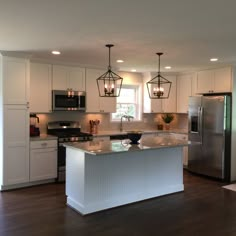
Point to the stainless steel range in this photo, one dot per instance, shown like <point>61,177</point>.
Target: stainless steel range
<point>66,131</point>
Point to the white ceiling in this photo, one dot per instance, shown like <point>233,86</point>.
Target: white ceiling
<point>189,32</point>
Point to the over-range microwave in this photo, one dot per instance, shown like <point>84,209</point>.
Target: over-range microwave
<point>68,100</point>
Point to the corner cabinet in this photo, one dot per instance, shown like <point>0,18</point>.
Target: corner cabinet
<point>43,160</point>
<point>184,90</point>
<point>40,88</point>
<point>214,81</point>
<point>95,103</point>
<point>68,77</point>
<point>159,105</point>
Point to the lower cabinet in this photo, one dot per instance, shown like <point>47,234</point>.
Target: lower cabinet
<point>185,149</point>
<point>43,160</point>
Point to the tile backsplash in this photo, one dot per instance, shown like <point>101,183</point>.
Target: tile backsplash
<point>149,121</point>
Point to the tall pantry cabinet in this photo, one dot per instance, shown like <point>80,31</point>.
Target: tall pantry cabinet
<point>14,121</point>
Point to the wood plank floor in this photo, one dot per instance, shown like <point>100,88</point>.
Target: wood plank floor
<point>204,208</point>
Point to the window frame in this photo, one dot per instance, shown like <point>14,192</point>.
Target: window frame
<point>138,102</point>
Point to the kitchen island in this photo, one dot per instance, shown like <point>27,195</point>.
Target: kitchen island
<point>106,174</point>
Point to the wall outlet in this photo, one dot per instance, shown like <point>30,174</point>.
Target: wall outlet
<point>144,120</point>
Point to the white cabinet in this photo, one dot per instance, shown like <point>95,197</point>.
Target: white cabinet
<point>15,145</point>
<point>67,77</point>
<point>40,88</point>
<point>43,160</point>
<point>94,102</point>
<point>150,105</point>
<point>169,105</point>
<point>159,105</point>
<point>185,149</point>
<point>14,121</point>
<point>184,90</point>
<point>214,81</point>
<point>15,80</point>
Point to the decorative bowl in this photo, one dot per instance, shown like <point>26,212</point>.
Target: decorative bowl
<point>134,136</point>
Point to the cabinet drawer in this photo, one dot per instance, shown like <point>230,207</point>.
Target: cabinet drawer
<point>43,144</point>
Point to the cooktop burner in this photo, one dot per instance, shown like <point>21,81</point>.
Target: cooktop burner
<point>67,131</point>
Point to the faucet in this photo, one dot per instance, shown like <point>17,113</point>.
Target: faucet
<point>126,117</point>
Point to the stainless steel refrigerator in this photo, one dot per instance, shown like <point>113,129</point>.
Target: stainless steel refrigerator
<point>210,126</point>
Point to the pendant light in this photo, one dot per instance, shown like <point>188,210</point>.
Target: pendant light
<point>109,84</point>
<point>159,87</point>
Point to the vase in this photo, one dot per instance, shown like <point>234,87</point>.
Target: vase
<point>167,126</point>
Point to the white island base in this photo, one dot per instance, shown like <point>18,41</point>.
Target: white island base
<point>98,182</point>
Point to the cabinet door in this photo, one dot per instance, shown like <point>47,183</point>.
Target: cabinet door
<point>43,164</point>
<point>222,79</point>
<point>15,145</point>
<point>205,81</point>
<point>76,78</point>
<point>184,90</point>
<point>156,105</point>
<point>107,104</point>
<point>60,77</point>
<point>40,88</point>
<point>169,105</point>
<point>92,97</point>
<point>15,80</point>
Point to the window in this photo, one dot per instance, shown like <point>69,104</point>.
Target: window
<point>128,103</point>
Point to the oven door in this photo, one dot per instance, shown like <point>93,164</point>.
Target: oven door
<point>61,154</point>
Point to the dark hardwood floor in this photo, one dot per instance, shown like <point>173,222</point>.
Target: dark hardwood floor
<point>204,208</point>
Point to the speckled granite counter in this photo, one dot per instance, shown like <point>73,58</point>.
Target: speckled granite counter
<point>43,137</point>
<point>109,147</point>
<point>117,132</point>
<point>106,174</point>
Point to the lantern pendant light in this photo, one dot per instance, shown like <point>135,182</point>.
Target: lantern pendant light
<point>159,87</point>
<point>109,84</point>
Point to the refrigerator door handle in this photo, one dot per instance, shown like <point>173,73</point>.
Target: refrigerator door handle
<point>200,123</point>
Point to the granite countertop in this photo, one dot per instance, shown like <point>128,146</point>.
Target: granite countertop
<point>109,147</point>
<point>117,132</point>
<point>43,137</point>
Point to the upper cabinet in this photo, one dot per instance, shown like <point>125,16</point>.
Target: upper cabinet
<point>159,105</point>
<point>40,88</point>
<point>15,80</point>
<point>94,103</point>
<point>169,105</point>
<point>184,90</point>
<point>214,81</point>
<point>150,105</point>
<point>68,77</point>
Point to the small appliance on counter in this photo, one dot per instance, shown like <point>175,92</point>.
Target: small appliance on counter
<point>34,129</point>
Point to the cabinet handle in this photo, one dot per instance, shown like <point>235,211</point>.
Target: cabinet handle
<point>44,144</point>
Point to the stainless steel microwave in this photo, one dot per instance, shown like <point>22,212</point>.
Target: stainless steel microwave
<point>68,100</point>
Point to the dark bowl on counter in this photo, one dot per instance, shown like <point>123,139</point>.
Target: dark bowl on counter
<point>134,136</point>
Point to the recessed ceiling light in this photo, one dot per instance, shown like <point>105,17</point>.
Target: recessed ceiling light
<point>56,52</point>
<point>119,61</point>
<point>133,70</point>
<point>214,59</point>
<point>168,67</point>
